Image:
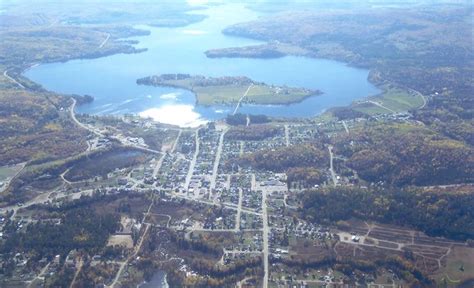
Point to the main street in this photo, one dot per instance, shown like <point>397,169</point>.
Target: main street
<point>216,162</point>
<point>265,239</point>
<point>193,162</point>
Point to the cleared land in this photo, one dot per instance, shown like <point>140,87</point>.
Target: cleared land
<point>394,99</point>
<point>229,90</point>
<point>459,266</point>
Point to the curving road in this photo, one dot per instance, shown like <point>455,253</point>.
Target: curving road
<point>13,80</point>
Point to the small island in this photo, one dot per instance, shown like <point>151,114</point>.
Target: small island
<point>230,90</point>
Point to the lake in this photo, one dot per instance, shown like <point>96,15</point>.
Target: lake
<point>112,80</point>
<point>157,281</point>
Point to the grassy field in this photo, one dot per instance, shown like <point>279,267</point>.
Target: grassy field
<point>370,109</point>
<point>400,100</point>
<point>229,90</point>
<point>459,266</point>
<point>258,94</point>
<point>210,95</point>
<point>264,94</point>
<point>7,172</point>
<point>394,99</point>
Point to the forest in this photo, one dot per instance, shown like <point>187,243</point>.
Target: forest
<point>33,128</point>
<point>437,214</point>
<point>402,154</point>
<point>425,49</point>
<point>307,176</point>
<point>241,119</point>
<point>80,228</point>
<point>103,162</point>
<point>281,159</point>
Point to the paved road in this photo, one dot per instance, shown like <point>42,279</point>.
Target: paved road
<point>98,133</point>
<point>381,106</point>
<point>193,163</point>
<point>40,275</point>
<point>265,238</point>
<point>241,98</point>
<point>81,262</point>
<point>239,210</point>
<point>241,252</point>
<point>13,80</point>
<point>73,117</point>
<point>331,167</point>
<point>137,248</point>
<point>345,126</point>
<point>216,161</point>
<point>42,198</point>
<point>158,165</point>
<point>63,178</point>
<point>226,205</point>
<point>105,41</point>
<point>175,144</point>
<point>422,97</point>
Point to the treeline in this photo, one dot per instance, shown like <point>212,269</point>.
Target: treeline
<point>33,128</point>
<point>217,276</point>
<point>103,162</point>
<point>195,244</point>
<point>241,119</point>
<point>450,114</point>
<point>436,214</point>
<point>406,155</point>
<point>282,159</point>
<point>79,229</point>
<point>344,113</point>
<point>203,266</point>
<point>252,133</point>
<point>404,269</point>
<point>309,176</point>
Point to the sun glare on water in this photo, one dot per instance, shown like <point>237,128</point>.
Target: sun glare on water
<point>180,115</point>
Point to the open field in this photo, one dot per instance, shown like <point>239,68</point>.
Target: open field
<point>219,94</point>
<point>434,256</point>
<point>6,172</point>
<point>264,94</point>
<point>459,266</point>
<point>120,240</point>
<point>391,100</point>
<point>230,90</point>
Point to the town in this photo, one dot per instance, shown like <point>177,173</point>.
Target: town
<point>192,186</point>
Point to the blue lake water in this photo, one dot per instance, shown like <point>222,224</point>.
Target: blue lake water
<point>157,281</point>
<point>111,80</point>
